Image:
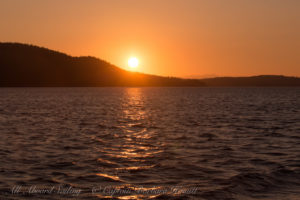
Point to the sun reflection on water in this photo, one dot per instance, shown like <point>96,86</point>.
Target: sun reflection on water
<point>135,147</point>
<point>136,132</point>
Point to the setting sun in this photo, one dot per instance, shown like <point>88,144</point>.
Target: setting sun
<point>133,62</point>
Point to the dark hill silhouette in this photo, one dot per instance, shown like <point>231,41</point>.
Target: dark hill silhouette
<point>27,65</point>
<point>253,81</point>
<point>24,65</point>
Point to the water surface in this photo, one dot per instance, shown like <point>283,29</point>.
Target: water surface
<point>150,143</point>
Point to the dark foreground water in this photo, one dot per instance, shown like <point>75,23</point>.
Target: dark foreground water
<point>150,143</point>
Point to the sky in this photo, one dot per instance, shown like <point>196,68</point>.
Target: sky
<point>183,38</point>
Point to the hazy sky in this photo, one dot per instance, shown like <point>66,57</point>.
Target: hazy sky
<point>169,37</point>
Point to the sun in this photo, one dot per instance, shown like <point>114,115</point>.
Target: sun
<point>133,62</point>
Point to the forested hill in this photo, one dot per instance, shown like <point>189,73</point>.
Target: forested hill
<point>26,65</point>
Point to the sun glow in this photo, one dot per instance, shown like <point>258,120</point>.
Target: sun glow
<point>133,63</point>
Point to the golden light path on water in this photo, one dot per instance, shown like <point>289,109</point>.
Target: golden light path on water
<point>135,146</point>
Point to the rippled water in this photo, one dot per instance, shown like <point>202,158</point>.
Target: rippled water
<point>142,143</point>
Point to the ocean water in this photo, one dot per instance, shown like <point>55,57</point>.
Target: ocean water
<point>150,143</point>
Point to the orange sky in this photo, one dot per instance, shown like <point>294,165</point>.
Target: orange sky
<point>170,37</point>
